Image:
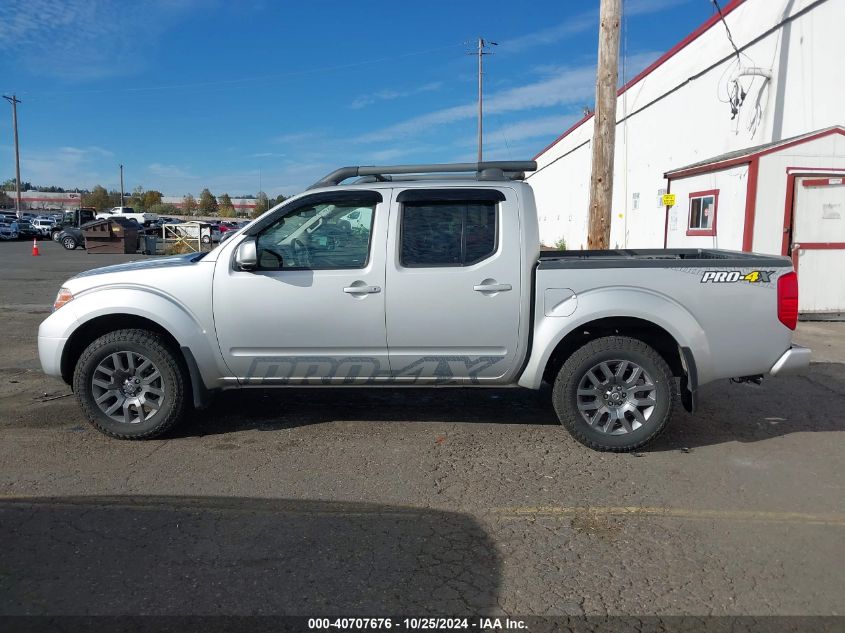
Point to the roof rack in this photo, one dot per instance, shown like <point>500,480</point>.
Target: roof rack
<point>490,170</point>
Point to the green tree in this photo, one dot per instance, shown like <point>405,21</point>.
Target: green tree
<point>277,200</point>
<point>5,200</point>
<point>164,209</point>
<point>208,203</point>
<point>98,198</point>
<point>189,205</point>
<point>151,198</point>
<point>227,209</point>
<point>136,200</point>
<point>262,203</point>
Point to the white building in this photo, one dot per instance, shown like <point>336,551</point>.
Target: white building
<point>766,179</point>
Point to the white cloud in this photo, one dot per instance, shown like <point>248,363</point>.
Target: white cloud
<point>299,137</point>
<point>564,88</point>
<point>85,39</point>
<point>168,171</point>
<point>389,95</point>
<point>580,23</point>
<point>67,167</point>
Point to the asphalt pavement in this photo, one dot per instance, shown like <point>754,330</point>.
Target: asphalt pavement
<point>440,501</point>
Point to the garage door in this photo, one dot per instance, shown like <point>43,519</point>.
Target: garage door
<point>818,244</point>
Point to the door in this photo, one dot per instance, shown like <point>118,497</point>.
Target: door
<point>453,279</point>
<point>312,312</point>
<point>818,243</point>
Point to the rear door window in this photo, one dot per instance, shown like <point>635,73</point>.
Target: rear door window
<point>447,233</point>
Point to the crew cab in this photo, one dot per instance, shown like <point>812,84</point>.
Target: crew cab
<point>140,217</point>
<point>406,278</point>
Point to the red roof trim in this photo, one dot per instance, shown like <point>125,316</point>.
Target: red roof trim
<point>677,48</point>
<point>748,158</point>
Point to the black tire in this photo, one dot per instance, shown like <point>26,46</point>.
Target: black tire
<point>172,382</point>
<point>614,351</point>
<point>69,242</point>
<point>206,239</point>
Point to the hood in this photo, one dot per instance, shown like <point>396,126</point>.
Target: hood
<point>188,259</point>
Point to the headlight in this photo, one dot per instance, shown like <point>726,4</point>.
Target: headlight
<point>62,298</point>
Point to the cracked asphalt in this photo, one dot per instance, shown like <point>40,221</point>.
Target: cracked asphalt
<point>411,501</point>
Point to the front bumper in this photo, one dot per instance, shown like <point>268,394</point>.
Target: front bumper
<point>50,354</point>
<point>793,359</point>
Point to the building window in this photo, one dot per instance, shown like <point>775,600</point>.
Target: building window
<point>702,212</point>
<point>660,194</point>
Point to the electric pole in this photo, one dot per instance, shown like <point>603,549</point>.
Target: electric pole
<point>604,126</point>
<point>15,101</point>
<point>121,186</point>
<point>483,45</point>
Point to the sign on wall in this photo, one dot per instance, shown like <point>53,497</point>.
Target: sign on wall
<point>669,199</point>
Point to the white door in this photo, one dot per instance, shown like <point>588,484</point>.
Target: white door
<point>818,243</point>
<point>453,281</point>
<point>313,310</point>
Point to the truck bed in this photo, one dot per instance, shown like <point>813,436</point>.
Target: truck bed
<point>658,258</point>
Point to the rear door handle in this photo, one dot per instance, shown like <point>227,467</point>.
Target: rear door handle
<point>362,290</point>
<point>492,287</point>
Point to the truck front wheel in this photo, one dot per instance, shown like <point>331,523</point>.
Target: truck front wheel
<point>130,384</point>
<point>614,394</point>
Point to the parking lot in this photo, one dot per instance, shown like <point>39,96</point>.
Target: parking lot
<point>443,502</point>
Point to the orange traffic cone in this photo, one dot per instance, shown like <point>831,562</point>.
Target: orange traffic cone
<point>35,252</point>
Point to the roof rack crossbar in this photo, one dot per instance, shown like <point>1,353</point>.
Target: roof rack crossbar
<point>485,170</point>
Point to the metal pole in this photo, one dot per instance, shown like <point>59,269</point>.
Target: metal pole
<point>480,99</point>
<point>15,101</point>
<point>121,186</point>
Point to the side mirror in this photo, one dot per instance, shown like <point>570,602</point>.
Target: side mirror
<point>246,256</point>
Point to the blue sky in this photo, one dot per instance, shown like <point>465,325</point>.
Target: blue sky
<point>195,93</point>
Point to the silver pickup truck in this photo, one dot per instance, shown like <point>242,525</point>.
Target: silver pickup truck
<point>421,275</point>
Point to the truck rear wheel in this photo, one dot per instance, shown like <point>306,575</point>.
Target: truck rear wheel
<point>130,384</point>
<point>614,394</point>
<point>69,242</point>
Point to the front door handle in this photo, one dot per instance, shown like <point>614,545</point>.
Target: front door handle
<point>361,290</point>
<point>491,287</point>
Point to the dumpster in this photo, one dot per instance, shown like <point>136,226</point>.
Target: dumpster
<point>112,235</point>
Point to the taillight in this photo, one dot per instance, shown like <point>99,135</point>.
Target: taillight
<point>788,299</point>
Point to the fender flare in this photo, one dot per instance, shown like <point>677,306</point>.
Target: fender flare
<point>204,362</point>
<point>617,301</point>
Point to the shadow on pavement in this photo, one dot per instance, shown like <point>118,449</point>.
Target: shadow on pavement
<point>290,407</point>
<point>206,555</point>
<point>808,402</point>
<point>803,403</point>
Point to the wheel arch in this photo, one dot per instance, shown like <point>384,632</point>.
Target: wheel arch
<point>641,329</point>
<point>92,329</point>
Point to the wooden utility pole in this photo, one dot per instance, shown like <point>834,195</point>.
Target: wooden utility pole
<point>604,126</point>
<point>121,187</point>
<point>15,101</point>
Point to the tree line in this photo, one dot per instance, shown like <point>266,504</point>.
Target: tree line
<point>150,200</point>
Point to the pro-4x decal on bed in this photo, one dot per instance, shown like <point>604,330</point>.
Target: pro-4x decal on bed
<point>734,276</point>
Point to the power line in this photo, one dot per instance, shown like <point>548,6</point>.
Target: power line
<point>727,28</point>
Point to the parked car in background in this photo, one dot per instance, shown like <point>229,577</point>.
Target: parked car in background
<point>44,225</point>
<point>72,219</point>
<point>8,230</point>
<point>26,230</point>
<point>141,217</point>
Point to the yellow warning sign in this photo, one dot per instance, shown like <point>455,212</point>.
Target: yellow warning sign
<point>669,199</point>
